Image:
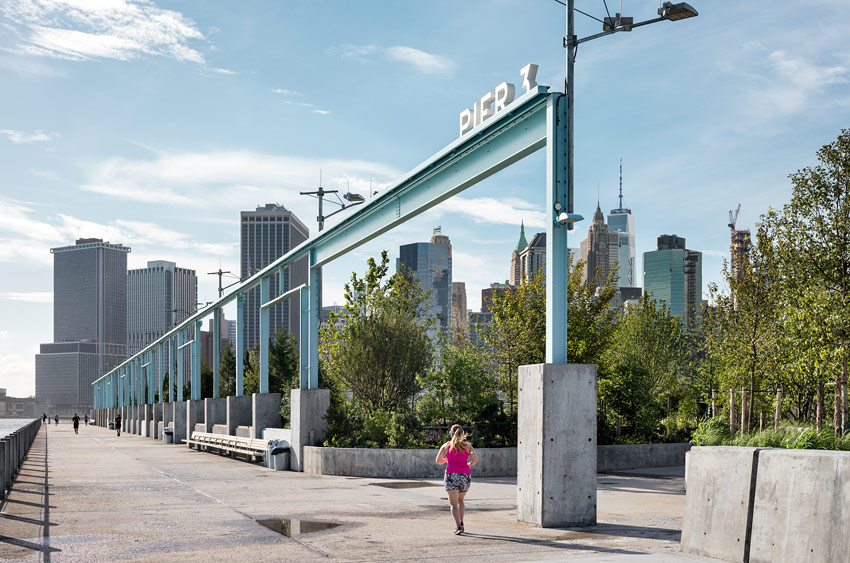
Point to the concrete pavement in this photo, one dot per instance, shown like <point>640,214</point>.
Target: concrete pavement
<point>97,497</point>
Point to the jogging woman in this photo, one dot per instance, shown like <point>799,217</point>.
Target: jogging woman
<point>459,457</point>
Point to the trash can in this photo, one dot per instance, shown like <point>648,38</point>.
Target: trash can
<point>168,435</point>
<point>111,425</point>
<point>277,455</point>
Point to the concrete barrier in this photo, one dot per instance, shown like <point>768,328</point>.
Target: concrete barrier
<point>638,456</point>
<point>768,505</point>
<point>389,463</point>
<point>495,462</point>
<point>13,451</point>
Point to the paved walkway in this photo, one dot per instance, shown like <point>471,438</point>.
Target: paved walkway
<point>97,497</point>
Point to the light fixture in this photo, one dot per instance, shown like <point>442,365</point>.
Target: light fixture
<point>353,198</point>
<point>676,12</point>
<point>566,218</point>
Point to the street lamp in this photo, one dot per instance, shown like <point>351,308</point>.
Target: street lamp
<point>667,11</point>
<point>352,199</point>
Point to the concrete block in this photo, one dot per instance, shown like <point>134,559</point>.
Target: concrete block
<point>238,413</point>
<point>243,432</point>
<point>215,412</point>
<point>219,429</point>
<point>802,507</point>
<point>717,501</point>
<point>146,420</point>
<point>556,452</point>
<point>638,456</point>
<point>308,410</point>
<point>178,421</point>
<point>156,420</point>
<point>265,412</point>
<point>167,415</point>
<point>194,416</point>
<point>278,434</point>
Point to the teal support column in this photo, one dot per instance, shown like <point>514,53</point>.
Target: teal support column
<point>313,333</point>
<point>171,370</point>
<point>264,335</point>
<point>181,338</point>
<point>240,342</point>
<point>160,373</point>
<point>557,256</point>
<point>151,374</point>
<point>305,337</point>
<point>196,362</point>
<point>216,350</point>
<point>140,382</point>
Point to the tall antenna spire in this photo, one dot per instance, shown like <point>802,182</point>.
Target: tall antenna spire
<point>621,181</point>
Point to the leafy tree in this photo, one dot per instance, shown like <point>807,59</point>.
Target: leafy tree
<point>227,372</point>
<point>284,371</point>
<point>383,344</point>
<point>747,317</point>
<point>814,237</point>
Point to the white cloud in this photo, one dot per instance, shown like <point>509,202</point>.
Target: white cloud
<point>225,71</point>
<point>507,211</point>
<point>322,111</point>
<point>21,137</point>
<point>286,92</point>
<point>28,296</point>
<point>101,29</point>
<point>422,61</point>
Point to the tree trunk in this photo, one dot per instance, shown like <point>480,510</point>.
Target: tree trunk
<point>819,408</point>
<point>732,428</point>
<point>752,399</point>
<point>745,414</point>
<point>713,405</point>
<point>843,385</point>
<point>778,416</point>
<point>836,411</point>
<point>761,421</point>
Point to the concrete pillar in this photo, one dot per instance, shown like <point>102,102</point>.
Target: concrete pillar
<point>167,414</point>
<point>309,407</point>
<point>155,420</point>
<point>215,412</point>
<point>265,412</point>
<point>2,469</point>
<point>146,422</point>
<point>556,453</point>
<point>238,413</point>
<point>194,415</point>
<point>179,421</point>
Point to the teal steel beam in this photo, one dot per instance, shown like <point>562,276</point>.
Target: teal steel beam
<point>557,254</point>
<point>503,139</point>
<point>179,380</point>
<point>304,345</point>
<point>160,373</point>
<point>264,335</point>
<point>216,350</point>
<point>240,343</point>
<point>171,373</point>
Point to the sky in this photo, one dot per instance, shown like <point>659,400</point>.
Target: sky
<point>153,123</point>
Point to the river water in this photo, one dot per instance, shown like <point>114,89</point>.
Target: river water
<point>9,425</point>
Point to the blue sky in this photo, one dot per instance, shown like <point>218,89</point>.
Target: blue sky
<point>153,123</point>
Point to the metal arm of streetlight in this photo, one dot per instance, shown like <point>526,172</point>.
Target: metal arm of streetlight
<point>352,199</point>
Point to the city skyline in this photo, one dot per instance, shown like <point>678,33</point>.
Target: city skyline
<point>159,142</point>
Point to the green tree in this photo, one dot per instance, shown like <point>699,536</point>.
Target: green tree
<point>227,372</point>
<point>747,317</point>
<point>814,238</point>
<point>383,345</point>
<point>284,371</point>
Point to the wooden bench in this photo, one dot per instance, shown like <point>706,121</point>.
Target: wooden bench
<point>234,445</point>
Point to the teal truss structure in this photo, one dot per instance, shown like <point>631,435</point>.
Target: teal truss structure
<point>533,121</point>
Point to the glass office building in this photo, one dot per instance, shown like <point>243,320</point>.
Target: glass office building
<point>430,263</point>
<point>673,274</point>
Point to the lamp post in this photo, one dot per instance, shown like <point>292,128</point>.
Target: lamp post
<point>352,199</point>
<point>667,11</point>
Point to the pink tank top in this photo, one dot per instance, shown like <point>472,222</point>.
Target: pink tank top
<point>457,461</point>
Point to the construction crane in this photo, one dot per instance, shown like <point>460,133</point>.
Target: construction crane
<point>734,218</point>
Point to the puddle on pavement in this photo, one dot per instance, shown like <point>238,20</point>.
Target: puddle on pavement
<point>406,484</point>
<point>290,528</point>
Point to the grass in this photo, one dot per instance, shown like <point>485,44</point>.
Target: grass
<point>715,432</point>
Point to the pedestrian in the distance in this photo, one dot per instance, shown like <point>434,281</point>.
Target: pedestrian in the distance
<point>86,418</point>
<point>56,419</point>
<point>118,424</point>
<point>459,457</point>
<point>76,421</point>
<point>43,417</point>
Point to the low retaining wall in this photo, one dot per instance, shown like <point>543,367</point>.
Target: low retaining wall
<point>768,505</point>
<point>493,462</point>
<point>401,464</point>
<point>639,456</point>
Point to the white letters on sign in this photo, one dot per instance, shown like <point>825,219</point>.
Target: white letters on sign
<point>494,102</point>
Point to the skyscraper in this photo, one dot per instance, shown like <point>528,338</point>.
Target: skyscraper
<point>622,222</point>
<point>158,298</point>
<point>460,317</point>
<point>89,321</point>
<point>430,263</point>
<point>599,250</point>
<point>515,277</point>
<point>267,234</point>
<point>673,274</point>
